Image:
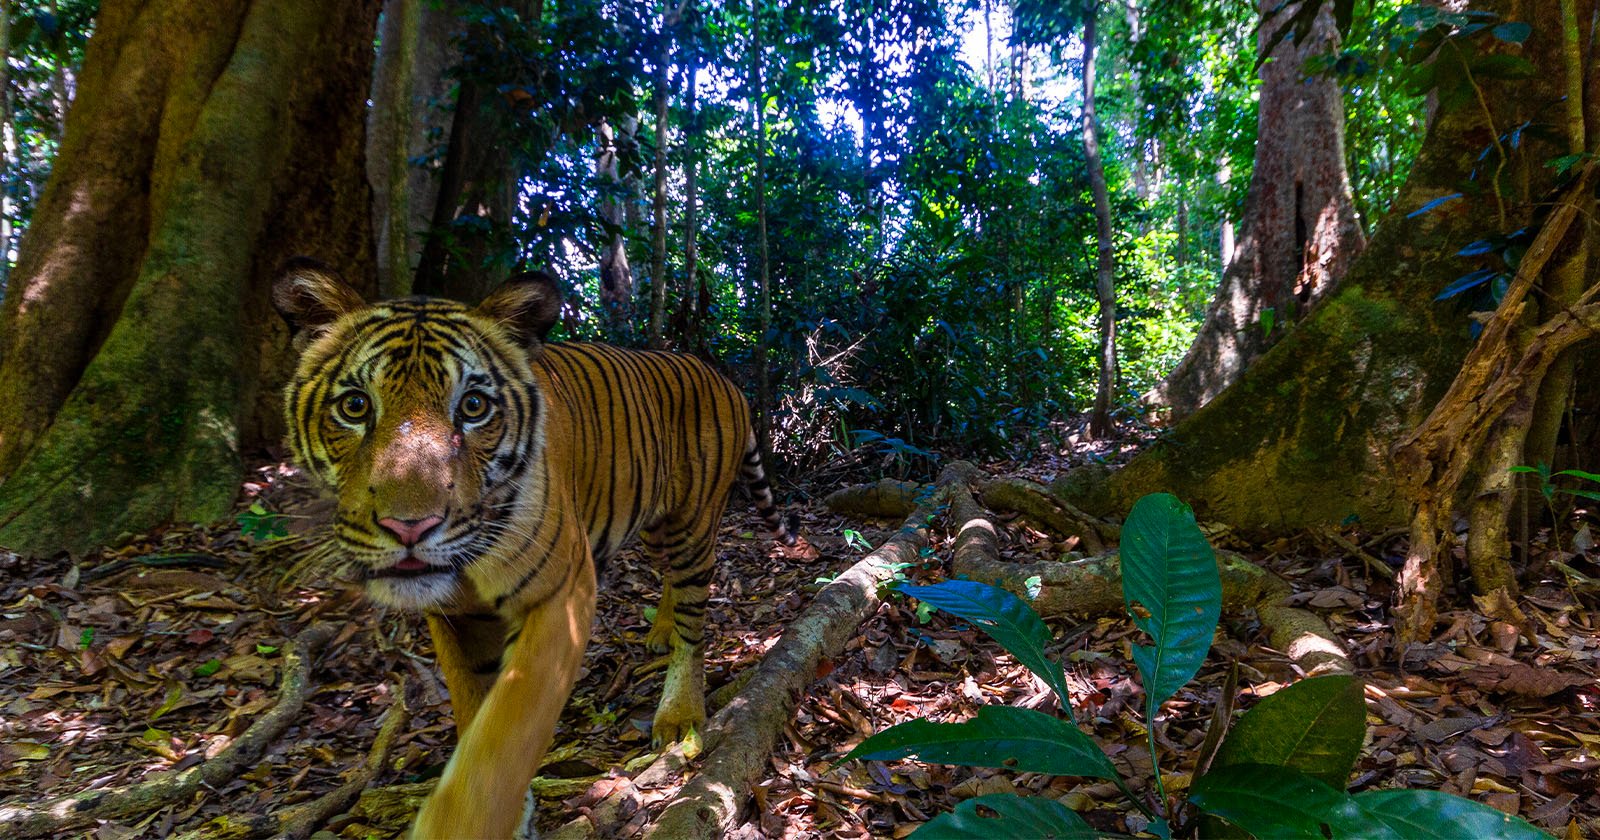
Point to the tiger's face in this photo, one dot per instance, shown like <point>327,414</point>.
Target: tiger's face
<point>422,417</point>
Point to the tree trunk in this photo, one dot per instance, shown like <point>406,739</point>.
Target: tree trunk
<point>1304,438</point>
<point>758,102</point>
<point>616,277</point>
<point>658,242</point>
<point>8,146</point>
<point>415,49</point>
<point>468,250</point>
<point>138,350</point>
<point>1299,231</point>
<point>1105,276</point>
<point>693,284</point>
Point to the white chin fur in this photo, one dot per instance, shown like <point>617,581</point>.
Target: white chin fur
<point>418,593</point>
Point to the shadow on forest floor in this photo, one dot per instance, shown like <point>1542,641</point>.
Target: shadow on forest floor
<point>108,678</point>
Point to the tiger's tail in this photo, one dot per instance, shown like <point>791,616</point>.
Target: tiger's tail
<point>784,530</point>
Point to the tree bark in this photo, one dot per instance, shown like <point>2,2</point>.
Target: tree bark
<point>616,277</point>
<point>758,103</point>
<point>1304,438</point>
<point>694,285</point>
<point>658,242</point>
<point>1105,276</point>
<point>1299,231</point>
<point>468,250</point>
<point>138,349</point>
<point>415,49</point>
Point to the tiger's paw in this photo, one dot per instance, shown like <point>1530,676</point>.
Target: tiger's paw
<point>659,639</point>
<point>686,735</point>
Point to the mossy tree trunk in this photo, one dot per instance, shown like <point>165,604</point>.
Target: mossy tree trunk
<point>1305,438</point>
<point>140,355</point>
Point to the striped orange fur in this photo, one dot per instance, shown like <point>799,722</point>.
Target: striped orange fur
<point>482,475</point>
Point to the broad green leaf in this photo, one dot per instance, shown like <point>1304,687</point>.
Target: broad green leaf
<point>1006,618</point>
<point>1170,572</point>
<point>1314,726</point>
<point>1432,204</point>
<point>1000,736</point>
<point>1513,32</point>
<point>1272,801</point>
<point>1432,813</point>
<point>1022,817</point>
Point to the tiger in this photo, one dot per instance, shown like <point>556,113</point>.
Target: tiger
<point>484,474</point>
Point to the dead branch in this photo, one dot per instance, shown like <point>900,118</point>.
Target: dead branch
<point>1093,586</point>
<point>741,737</point>
<point>83,809</point>
<point>884,499</point>
<point>1040,505</point>
<point>300,821</point>
<point>303,820</point>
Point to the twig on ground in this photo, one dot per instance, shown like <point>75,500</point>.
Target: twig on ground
<point>83,809</point>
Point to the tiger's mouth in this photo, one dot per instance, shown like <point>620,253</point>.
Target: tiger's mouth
<point>410,566</point>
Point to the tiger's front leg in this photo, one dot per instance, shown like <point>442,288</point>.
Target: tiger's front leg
<point>687,556</point>
<point>481,793</point>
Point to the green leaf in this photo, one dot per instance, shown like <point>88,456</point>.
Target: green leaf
<point>173,698</point>
<point>1432,204</point>
<point>207,668</point>
<point>1281,802</point>
<point>1504,66</point>
<point>1006,618</point>
<point>1170,572</point>
<point>1512,32</point>
<point>1586,476</point>
<point>1000,736</point>
<point>86,638</point>
<point>1432,813</point>
<point>265,650</point>
<point>1314,726</point>
<point>1023,817</point>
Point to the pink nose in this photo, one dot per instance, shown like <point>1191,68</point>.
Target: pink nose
<point>411,531</point>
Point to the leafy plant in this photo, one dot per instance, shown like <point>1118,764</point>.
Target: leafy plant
<point>1279,773</point>
<point>258,523</point>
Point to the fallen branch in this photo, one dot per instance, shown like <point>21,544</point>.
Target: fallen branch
<point>1040,505</point>
<point>741,737</point>
<point>300,821</point>
<point>80,810</point>
<point>884,499</point>
<point>1093,586</point>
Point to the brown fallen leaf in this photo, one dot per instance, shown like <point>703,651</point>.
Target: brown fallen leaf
<point>1522,680</point>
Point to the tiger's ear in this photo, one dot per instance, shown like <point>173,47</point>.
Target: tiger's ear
<point>310,295</point>
<point>527,306</point>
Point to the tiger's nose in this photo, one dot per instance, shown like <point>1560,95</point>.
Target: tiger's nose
<point>410,531</point>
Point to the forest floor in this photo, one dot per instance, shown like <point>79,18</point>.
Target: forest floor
<point>113,669</point>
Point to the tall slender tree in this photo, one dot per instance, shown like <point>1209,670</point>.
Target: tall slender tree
<point>1105,275</point>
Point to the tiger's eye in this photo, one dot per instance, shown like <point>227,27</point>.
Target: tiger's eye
<point>354,407</point>
<point>474,406</point>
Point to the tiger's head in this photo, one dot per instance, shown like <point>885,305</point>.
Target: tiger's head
<point>421,415</point>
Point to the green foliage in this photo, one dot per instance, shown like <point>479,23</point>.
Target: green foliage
<point>1171,588</point>
<point>1008,815</point>
<point>1279,773</point>
<point>1003,617</point>
<point>1314,726</point>
<point>258,523</point>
